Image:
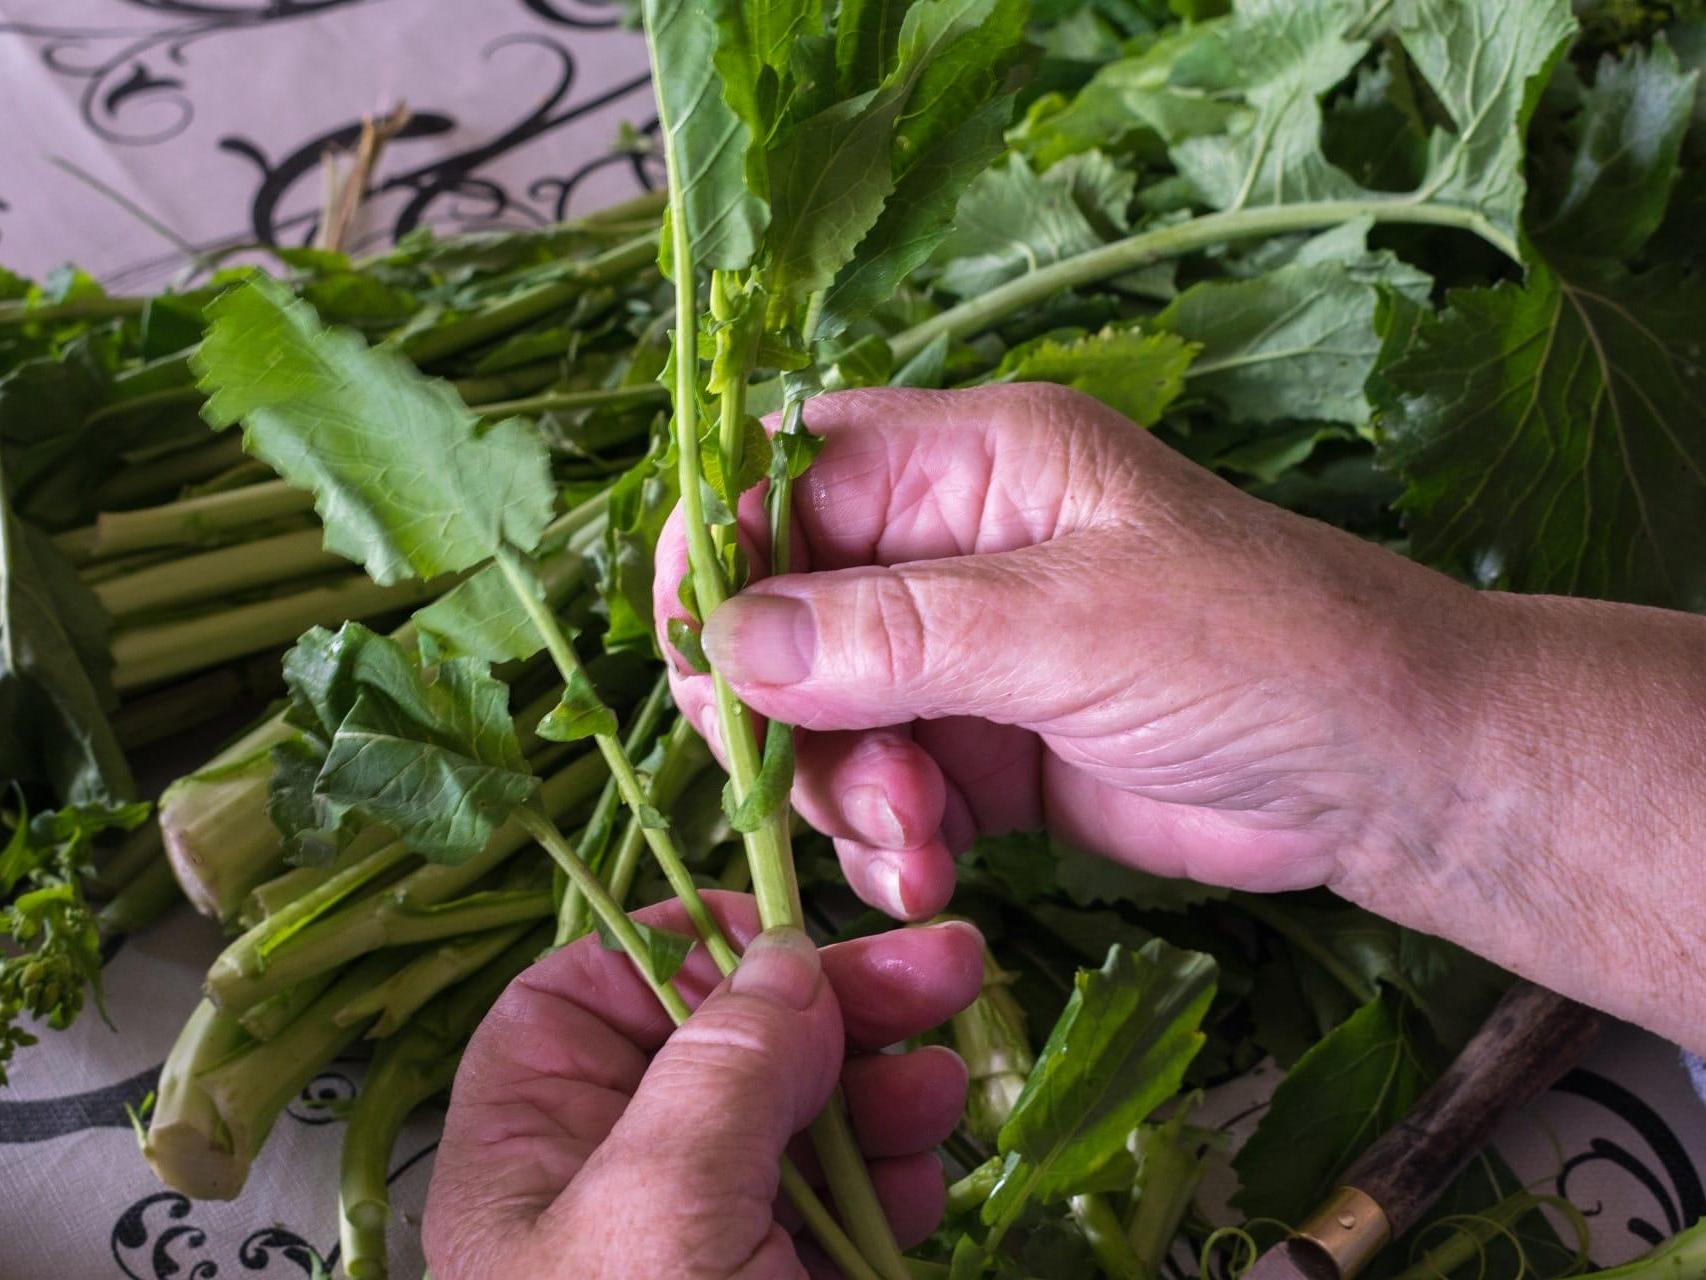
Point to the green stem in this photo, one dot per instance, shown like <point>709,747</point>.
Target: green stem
<point>392,1003</point>
<point>408,1069</point>
<point>969,1193</point>
<point>141,902</point>
<point>140,848</point>
<point>563,401</point>
<point>475,913</point>
<point>393,916</point>
<point>227,572</point>
<point>271,1016</point>
<point>145,655</point>
<point>595,840</point>
<point>829,1234</point>
<point>1145,247</point>
<point>613,264</point>
<point>1101,1228</point>
<point>621,767</point>
<point>189,522</point>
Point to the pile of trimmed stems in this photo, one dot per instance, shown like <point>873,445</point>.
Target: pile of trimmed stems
<point>206,565</point>
<point>379,945</point>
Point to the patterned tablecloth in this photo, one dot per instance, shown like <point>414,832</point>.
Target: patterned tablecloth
<point>210,116</point>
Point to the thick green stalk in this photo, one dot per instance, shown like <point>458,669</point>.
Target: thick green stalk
<point>613,264</point>
<point>187,522</point>
<point>187,1142</point>
<point>1115,259</point>
<point>161,478</point>
<point>1101,1228</point>
<point>148,896</point>
<point>408,1069</point>
<point>375,851</point>
<point>249,1091</point>
<point>566,401</point>
<point>212,575</point>
<point>473,913</point>
<point>265,1020</point>
<point>968,1193</point>
<point>394,1001</point>
<point>143,655</point>
<point>395,915</point>
<point>103,308</point>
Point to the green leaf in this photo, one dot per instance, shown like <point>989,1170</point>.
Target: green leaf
<point>792,452</point>
<point>867,32</point>
<point>754,463</point>
<point>916,217</point>
<point>1119,1050</point>
<point>404,480</point>
<point>54,673</point>
<point>639,503</point>
<point>665,952</point>
<point>1134,103</point>
<point>431,754</point>
<point>579,713</point>
<point>684,639</point>
<point>1137,374</point>
<point>1089,879</point>
<point>832,172</point>
<point>1279,56</point>
<point>1343,1093</point>
<point>770,788</point>
<point>479,617</point>
<point>1295,343</point>
<point>1009,222</point>
<point>1627,139</point>
<point>1548,435</point>
<point>1486,61</point>
<point>705,140</point>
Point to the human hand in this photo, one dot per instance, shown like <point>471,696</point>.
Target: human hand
<point>1023,610</point>
<point>588,1139</point>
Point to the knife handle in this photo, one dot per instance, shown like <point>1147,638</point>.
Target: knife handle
<point>1532,1037</point>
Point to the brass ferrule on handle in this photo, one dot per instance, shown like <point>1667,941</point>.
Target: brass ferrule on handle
<point>1350,1229</point>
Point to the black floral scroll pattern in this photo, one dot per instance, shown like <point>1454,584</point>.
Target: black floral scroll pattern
<point>153,1240</point>
<point>450,189</point>
<point>587,15</point>
<point>1664,1171</point>
<point>130,73</point>
<point>322,1098</point>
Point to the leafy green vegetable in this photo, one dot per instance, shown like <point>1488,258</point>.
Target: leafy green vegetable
<point>54,673</point>
<point>665,950</point>
<point>1119,1050</point>
<point>1547,435</point>
<point>52,943</point>
<point>430,753</point>
<point>404,481</point>
<point>1345,1092</point>
<point>1139,374</point>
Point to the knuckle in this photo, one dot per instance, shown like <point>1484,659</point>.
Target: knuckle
<point>892,639</point>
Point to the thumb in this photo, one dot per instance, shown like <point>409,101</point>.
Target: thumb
<point>699,1147</point>
<point>980,635</point>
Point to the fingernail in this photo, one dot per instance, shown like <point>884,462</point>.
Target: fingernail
<point>781,966</point>
<point>962,926</point>
<point>867,807</point>
<point>758,639</point>
<point>886,885</point>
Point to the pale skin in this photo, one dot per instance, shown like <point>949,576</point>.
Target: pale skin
<point>1015,609</point>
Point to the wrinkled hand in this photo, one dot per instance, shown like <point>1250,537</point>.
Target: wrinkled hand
<point>1023,610</point>
<point>585,1141</point>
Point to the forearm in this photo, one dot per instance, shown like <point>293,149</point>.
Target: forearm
<point>1570,849</point>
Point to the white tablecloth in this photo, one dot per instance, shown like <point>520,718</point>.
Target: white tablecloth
<point>211,116</point>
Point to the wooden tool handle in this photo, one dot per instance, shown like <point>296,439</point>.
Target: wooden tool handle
<point>1531,1038</point>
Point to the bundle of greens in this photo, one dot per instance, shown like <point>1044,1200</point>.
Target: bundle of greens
<point>1421,268</point>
